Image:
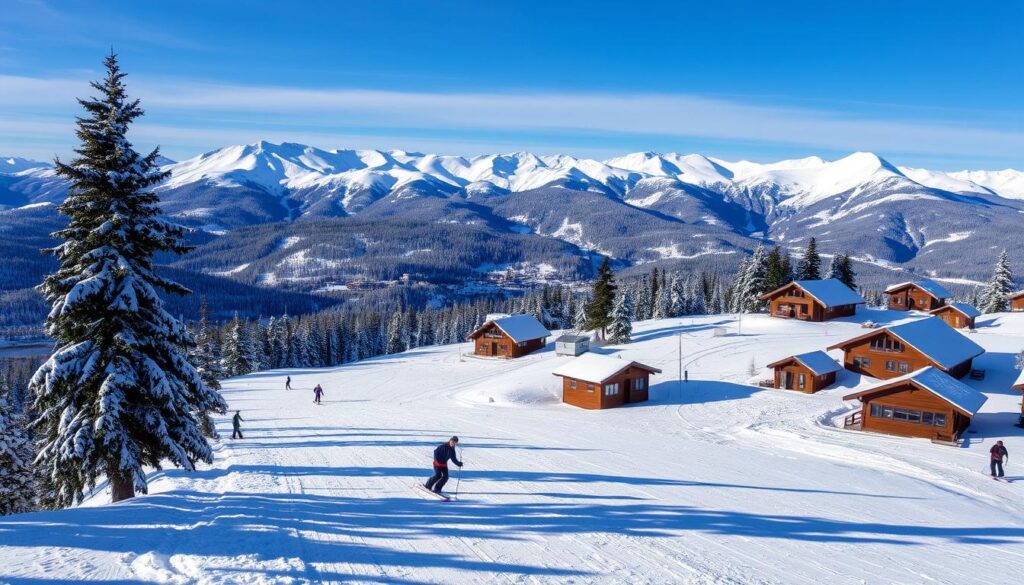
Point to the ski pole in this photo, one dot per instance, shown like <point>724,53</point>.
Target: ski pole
<point>458,479</point>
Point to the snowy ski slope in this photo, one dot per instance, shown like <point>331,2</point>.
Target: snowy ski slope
<point>714,481</point>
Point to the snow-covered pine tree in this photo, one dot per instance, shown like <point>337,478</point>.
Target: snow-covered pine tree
<point>833,267</point>
<point>846,275</point>
<point>698,305</point>
<point>677,296</point>
<point>17,479</point>
<point>756,281</point>
<point>809,267</point>
<point>396,335</point>
<point>643,300</point>
<point>739,287</point>
<point>620,330</point>
<point>997,294</point>
<point>204,356</point>
<point>118,394</point>
<point>237,355</point>
<point>602,300</point>
<point>779,271</point>
<point>579,322</point>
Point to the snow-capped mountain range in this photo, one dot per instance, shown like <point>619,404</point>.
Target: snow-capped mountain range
<point>639,208</point>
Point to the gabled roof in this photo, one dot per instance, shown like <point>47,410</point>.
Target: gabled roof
<point>965,309</point>
<point>929,286</point>
<point>818,362</point>
<point>518,327</point>
<point>961,396</point>
<point>1017,294</point>
<point>570,338</point>
<point>932,337</point>
<point>596,368</point>
<point>829,292</point>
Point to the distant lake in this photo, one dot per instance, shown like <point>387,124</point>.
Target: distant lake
<point>36,349</point>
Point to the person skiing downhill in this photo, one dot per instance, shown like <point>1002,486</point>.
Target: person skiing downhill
<point>997,453</point>
<point>236,422</point>
<point>318,392</point>
<point>288,383</point>
<point>443,453</point>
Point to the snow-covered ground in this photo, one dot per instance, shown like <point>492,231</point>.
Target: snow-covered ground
<point>713,481</point>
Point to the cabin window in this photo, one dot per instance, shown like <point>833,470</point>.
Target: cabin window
<point>890,365</point>
<point>927,417</point>
<point>503,347</point>
<point>611,389</point>
<point>883,343</point>
<point>904,368</point>
<point>802,380</point>
<point>908,415</point>
<point>861,362</point>
<point>897,300</point>
<point>940,420</point>
<point>590,387</point>
<point>640,384</point>
<point>572,384</point>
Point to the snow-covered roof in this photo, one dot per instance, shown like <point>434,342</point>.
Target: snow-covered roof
<point>1019,293</point>
<point>830,292</point>
<point>818,362</point>
<point>966,309</point>
<point>939,383</point>
<point>518,327</point>
<point>595,367</point>
<point>929,286</point>
<point>931,336</point>
<point>570,338</point>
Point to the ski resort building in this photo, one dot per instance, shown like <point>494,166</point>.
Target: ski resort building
<point>813,300</point>
<point>597,381</point>
<point>893,351</point>
<point>572,345</point>
<point>509,337</point>
<point>807,372</point>
<point>957,315</point>
<point>920,295</point>
<point>927,403</point>
<point>1017,301</point>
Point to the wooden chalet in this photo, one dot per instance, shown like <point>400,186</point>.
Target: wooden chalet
<point>1019,385</point>
<point>957,315</point>
<point>807,372</point>
<point>595,381</point>
<point>813,300</point>
<point>1017,302</point>
<point>927,403</point>
<point>893,351</point>
<point>509,337</point>
<point>919,295</point>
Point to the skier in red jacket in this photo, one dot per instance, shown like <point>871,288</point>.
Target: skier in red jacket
<point>998,453</point>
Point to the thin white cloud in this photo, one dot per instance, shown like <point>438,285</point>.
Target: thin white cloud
<point>187,110</point>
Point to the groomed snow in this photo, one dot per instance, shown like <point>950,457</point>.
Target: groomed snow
<point>712,481</point>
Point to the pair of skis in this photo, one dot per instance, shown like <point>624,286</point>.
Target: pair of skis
<point>440,496</point>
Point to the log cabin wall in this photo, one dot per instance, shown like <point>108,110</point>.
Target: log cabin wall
<point>1017,304</point>
<point>812,382</point>
<point>883,364</point>
<point>913,298</point>
<point>954,318</point>
<point>595,396</point>
<point>494,342</point>
<point>911,402</point>
<point>794,303</point>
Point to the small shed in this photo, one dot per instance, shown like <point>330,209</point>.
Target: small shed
<point>957,315</point>
<point>509,337</point>
<point>806,372</point>
<point>813,300</point>
<point>891,351</point>
<point>927,403</point>
<point>918,295</point>
<point>572,345</point>
<point>596,381</point>
<point>1017,302</point>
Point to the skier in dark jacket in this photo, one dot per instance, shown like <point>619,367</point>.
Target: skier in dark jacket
<point>318,392</point>
<point>998,452</point>
<point>442,454</point>
<point>236,422</point>
<point>288,383</point>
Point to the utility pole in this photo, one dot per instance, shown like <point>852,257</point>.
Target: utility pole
<point>680,364</point>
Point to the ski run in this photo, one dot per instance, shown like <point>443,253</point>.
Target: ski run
<point>711,481</point>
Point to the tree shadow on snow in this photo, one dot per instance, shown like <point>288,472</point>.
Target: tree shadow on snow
<point>324,530</point>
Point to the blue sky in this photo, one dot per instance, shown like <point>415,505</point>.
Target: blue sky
<point>923,83</point>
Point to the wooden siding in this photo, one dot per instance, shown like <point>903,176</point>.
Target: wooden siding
<point>794,370</point>
<point>494,342</point>
<point>1017,303</point>
<point>910,397</point>
<point>913,297</point>
<point>590,395</point>
<point>877,359</point>
<point>793,303</point>
<point>954,318</point>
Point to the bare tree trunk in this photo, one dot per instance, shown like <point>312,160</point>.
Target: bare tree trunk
<point>121,486</point>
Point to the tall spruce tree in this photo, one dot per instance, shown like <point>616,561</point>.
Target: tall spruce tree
<point>809,267</point>
<point>205,356</point>
<point>845,272</point>
<point>778,270</point>
<point>602,300</point>
<point>997,294</point>
<point>118,395</point>
<point>17,479</point>
<point>620,330</point>
<point>833,267</point>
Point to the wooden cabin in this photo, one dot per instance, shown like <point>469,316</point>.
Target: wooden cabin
<point>893,351</point>
<point>807,372</point>
<point>595,381</point>
<point>572,345</point>
<point>509,337</point>
<point>1017,302</point>
<point>919,295</point>
<point>927,403</point>
<point>957,315</point>
<point>1019,385</point>
<point>813,300</point>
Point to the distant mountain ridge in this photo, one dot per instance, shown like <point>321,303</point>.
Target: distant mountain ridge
<point>546,217</point>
